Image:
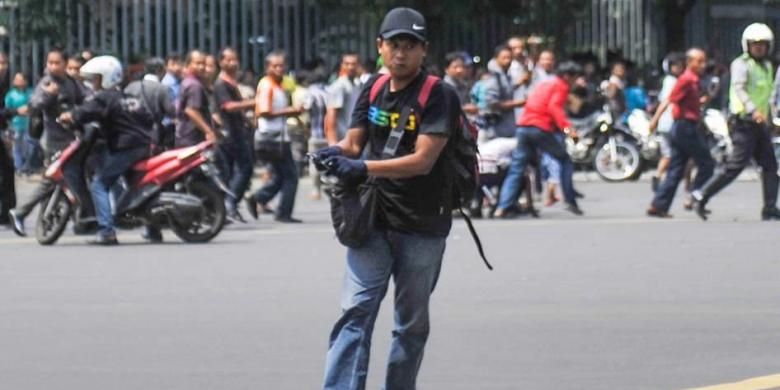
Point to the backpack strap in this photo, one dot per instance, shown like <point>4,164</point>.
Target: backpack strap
<point>425,91</point>
<point>379,83</point>
<point>475,236</point>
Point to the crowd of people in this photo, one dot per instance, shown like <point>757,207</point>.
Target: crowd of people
<point>522,93</point>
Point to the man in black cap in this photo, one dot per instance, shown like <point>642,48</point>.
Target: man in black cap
<point>414,205</point>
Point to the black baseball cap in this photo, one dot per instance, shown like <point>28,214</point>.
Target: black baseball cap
<point>403,21</point>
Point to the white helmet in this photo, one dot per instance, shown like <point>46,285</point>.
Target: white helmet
<point>108,67</point>
<point>758,32</point>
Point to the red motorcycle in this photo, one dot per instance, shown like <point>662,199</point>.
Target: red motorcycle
<point>179,189</point>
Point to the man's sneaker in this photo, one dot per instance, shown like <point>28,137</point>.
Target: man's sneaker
<point>251,205</point>
<point>770,214</point>
<point>82,228</point>
<point>287,220</point>
<point>697,203</point>
<point>104,239</point>
<point>655,182</point>
<point>152,234</point>
<point>17,223</point>
<point>654,212</point>
<point>574,209</point>
<point>234,215</point>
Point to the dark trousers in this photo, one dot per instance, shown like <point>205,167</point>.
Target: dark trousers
<point>530,139</point>
<point>237,166</point>
<point>7,184</point>
<point>687,143</point>
<point>751,141</point>
<point>284,180</point>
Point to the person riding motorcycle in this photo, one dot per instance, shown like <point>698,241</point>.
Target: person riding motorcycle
<point>749,103</point>
<point>125,122</point>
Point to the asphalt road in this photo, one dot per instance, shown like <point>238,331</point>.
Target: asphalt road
<point>613,300</point>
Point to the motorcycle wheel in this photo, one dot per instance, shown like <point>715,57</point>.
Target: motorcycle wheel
<point>626,164</point>
<point>53,216</point>
<point>210,221</point>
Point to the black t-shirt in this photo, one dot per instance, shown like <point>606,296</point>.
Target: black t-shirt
<point>124,121</point>
<point>421,204</point>
<point>192,95</point>
<point>233,122</point>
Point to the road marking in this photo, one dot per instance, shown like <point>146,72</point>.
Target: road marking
<point>770,382</point>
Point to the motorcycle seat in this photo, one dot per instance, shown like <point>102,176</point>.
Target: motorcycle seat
<point>162,158</point>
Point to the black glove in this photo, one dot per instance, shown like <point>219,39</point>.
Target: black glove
<point>346,168</point>
<point>319,157</point>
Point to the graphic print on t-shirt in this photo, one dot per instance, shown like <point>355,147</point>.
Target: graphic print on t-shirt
<point>383,118</point>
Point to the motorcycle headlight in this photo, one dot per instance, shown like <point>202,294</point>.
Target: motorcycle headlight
<point>604,127</point>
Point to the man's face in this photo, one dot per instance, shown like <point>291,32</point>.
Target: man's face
<point>350,65</point>
<point>456,70</point>
<point>504,59</point>
<point>547,61</point>
<point>55,64</point>
<point>402,55</point>
<point>173,67</point>
<point>758,49</point>
<point>276,67</point>
<point>619,70</point>
<point>697,62</point>
<point>518,48</point>
<point>211,67</point>
<point>72,68</point>
<point>197,65</point>
<point>229,62</point>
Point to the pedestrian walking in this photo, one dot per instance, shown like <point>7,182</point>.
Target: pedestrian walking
<point>235,147</point>
<point>24,146</point>
<point>749,96</point>
<point>272,141</point>
<point>686,137</point>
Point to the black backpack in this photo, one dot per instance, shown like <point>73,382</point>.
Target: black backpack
<point>461,152</point>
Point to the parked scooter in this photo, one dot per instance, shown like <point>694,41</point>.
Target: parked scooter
<point>609,149</point>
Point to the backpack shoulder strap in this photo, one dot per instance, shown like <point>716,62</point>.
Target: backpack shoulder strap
<point>379,83</point>
<point>425,91</point>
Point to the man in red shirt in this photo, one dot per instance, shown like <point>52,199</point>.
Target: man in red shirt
<point>686,140</point>
<point>543,115</point>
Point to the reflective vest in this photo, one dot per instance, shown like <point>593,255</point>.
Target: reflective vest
<point>759,87</point>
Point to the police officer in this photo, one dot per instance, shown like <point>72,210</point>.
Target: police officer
<point>751,90</point>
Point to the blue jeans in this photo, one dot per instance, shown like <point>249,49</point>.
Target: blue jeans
<point>414,262</point>
<point>687,142</point>
<point>237,166</point>
<point>284,180</point>
<point>551,168</point>
<point>114,166</point>
<point>529,139</point>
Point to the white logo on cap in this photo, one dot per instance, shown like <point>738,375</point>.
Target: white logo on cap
<point>417,28</point>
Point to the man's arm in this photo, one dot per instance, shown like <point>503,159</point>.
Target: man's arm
<point>194,115</point>
<point>45,95</point>
<point>493,97</point>
<point>331,124</point>
<point>739,80</point>
<point>244,105</point>
<point>658,112</point>
<point>353,142</point>
<point>426,152</point>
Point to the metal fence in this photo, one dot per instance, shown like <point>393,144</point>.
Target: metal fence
<point>629,28</point>
<point>303,28</point>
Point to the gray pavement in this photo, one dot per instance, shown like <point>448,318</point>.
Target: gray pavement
<point>613,300</point>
